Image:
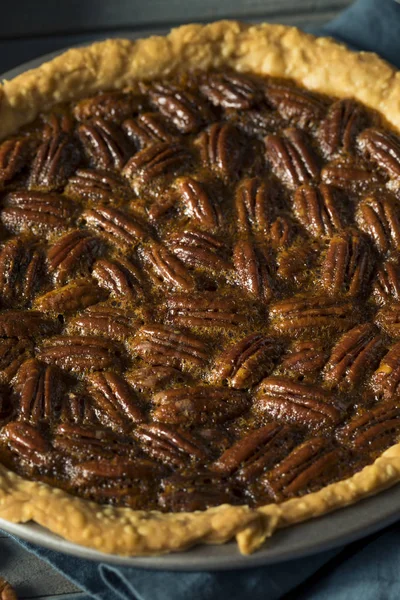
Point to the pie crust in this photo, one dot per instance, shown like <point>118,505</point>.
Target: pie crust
<point>318,64</point>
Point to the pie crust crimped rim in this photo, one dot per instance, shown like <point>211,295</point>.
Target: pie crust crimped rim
<point>318,64</point>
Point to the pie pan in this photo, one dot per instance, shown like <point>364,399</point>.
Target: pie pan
<point>320,534</point>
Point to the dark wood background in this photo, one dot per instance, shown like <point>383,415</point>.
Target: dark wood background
<point>31,28</point>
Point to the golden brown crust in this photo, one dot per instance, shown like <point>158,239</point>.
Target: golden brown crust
<point>318,64</point>
<point>121,530</point>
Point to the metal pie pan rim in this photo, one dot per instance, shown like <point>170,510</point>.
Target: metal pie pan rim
<point>324,533</point>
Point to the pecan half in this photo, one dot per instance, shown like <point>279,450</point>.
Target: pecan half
<point>255,200</point>
<point>386,379</point>
<point>104,143</point>
<point>154,161</point>
<point>55,161</point>
<point>21,273</point>
<point>162,345</point>
<point>39,389</point>
<point>299,106</point>
<point>108,321</point>
<point>256,452</point>
<point>13,352</point>
<point>247,362</point>
<point>170,445</point>
<point>113,106</point>
<point>28,442</point>
<point>231,90</point>
<point>85,442</point>
<point>198,405</point>
<point>292,158</point>
<point>76,295</point>
<point>122,278</point>
<point>187,111</point>
<point>388,318</point>
<point>343,122</point>
<point>14,155</point>
<point>379,217</point>
<point>81,353</point>
<point>25,324</point>
<point>300,403</point>
<point>96,186</point>
<point>114,399</point>
<point>309,312</point>
<point>119,228</point>
<point>355,354</point>
<point>222,149</point>
<point>307,467</point>
<point>386,285</point>
<point>199,204</point>
<point>348,265</point>
<point>253,270</point>
<point>350,175</point>
<point>168,270</point>
<point>147,128</point>
<point>200,249</point>
<point>316,209</point>
<point>382,148</point>
<point>73,253</point>
<point>204,310</point>
<point>25,210</point>
<point>375,429</point>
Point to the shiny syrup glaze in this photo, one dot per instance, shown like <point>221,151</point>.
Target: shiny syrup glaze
<point>200,293</point>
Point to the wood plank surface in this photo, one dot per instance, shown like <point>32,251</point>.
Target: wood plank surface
<point>32,29</point>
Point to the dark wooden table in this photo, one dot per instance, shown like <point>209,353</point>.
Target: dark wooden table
<point>31,29</point>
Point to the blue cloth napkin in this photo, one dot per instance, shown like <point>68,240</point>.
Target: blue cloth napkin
<point>368,569</point>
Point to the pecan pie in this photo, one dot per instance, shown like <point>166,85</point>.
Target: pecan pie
<point>199,287</point>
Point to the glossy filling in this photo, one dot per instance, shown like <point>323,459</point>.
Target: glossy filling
<point>200,293</point>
